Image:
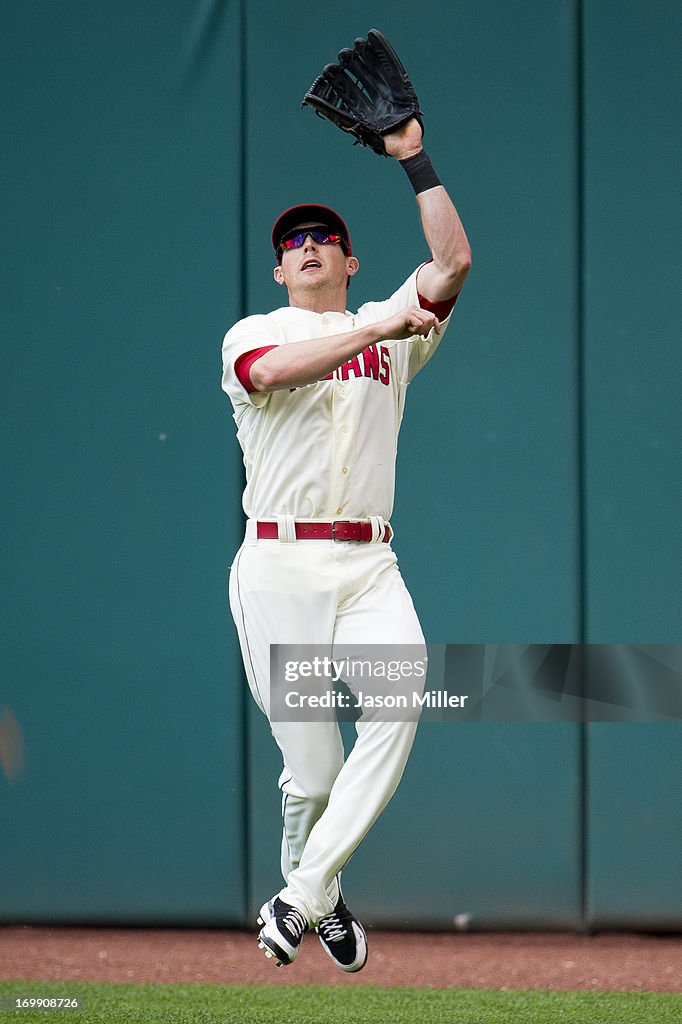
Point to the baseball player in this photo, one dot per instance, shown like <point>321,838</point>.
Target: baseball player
<point>318,395</point>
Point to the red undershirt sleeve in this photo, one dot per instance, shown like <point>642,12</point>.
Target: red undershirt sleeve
<point>245,361</point>
<point>442,309</point>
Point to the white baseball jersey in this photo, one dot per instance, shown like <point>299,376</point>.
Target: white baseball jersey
<point>328,449</point>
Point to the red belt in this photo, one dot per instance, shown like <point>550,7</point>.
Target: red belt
<point>339,530</point>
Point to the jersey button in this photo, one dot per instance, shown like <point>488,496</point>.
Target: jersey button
<point>338,511</point>
<point>344,470</point>
<point>345,429</point>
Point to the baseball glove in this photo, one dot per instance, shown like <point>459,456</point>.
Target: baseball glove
<point>368,93</point>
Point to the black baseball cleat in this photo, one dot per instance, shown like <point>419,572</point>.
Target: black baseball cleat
<point>343,938</point>
<point>283,929</point>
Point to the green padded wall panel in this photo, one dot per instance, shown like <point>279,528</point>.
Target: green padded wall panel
<point>120,193</point>
<point>633,418</point>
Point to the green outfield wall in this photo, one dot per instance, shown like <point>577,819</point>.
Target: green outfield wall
<point>147,150</point>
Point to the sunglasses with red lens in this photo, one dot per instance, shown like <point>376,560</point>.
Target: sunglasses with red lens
<point>321,236</point>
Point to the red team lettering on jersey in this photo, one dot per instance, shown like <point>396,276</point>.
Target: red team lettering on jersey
<point>374,363</point>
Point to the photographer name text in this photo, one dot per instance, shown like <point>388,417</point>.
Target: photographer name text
<point>335,699</point>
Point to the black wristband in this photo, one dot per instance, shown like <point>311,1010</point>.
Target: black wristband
<point>420,172</point>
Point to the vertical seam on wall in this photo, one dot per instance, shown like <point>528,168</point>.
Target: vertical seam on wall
<point>243,169</point>
<point>580,304</point>
<point>243,289</point>
<point>580,424</point>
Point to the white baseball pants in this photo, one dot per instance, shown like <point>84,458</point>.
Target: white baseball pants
<point>330,593</point>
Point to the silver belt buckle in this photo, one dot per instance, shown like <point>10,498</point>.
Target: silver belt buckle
<point>339,540</point>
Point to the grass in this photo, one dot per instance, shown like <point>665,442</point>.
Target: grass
<point>313,1004</point>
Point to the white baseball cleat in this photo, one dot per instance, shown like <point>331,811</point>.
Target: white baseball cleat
<point>283,929</point>
<point>343,938</point>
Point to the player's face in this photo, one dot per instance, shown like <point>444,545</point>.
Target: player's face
<point>314,264</point>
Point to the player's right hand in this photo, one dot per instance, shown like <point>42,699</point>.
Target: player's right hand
<point>406,324</point>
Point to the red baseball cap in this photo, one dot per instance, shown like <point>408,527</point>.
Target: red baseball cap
<point>312,212</point>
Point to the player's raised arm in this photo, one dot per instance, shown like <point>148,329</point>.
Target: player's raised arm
<point>451,254</point>
<point>369,94</point>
